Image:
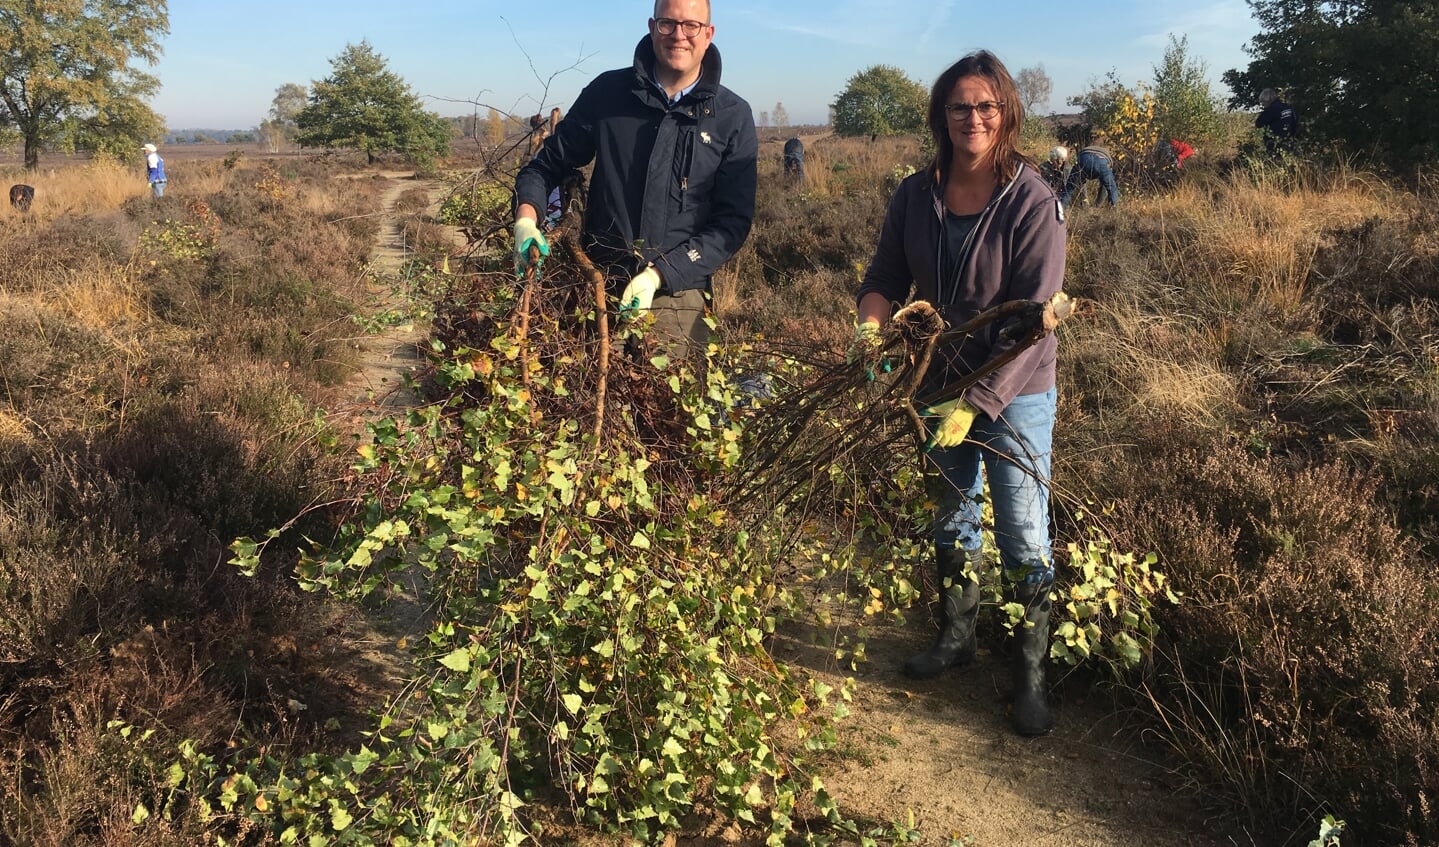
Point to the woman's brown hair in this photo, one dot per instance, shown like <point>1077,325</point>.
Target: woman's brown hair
<point>1005,157</point>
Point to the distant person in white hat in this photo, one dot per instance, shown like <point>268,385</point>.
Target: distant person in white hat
<point>1055,168</point>
<point>154,170</point>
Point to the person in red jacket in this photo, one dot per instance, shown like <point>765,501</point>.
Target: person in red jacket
<point>1169,156</point>
<point>1182,151</point>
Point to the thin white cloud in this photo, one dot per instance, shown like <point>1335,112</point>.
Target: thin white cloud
<point>1217,31</point>
<point>938,17</point>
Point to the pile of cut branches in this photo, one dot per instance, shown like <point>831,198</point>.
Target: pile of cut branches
<point>600,523</point>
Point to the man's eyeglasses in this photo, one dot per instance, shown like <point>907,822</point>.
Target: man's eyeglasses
<point>667,26</point>
<point>961,111</point>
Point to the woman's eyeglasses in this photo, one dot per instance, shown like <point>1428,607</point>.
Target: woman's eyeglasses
<point>961,111</point>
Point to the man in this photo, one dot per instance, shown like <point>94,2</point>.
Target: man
<point>154,170</point>
<point>1092,162</point>
<point>673,189</point>
<point>1278,122</point>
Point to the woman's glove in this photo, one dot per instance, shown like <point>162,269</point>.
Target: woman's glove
<point>865,348</point>
<point>640,293</point>
<point>866,343</point>
<point>527,233</point>
<point>956,417</point>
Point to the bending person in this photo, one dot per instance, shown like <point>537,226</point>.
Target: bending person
<point>1092,162</point>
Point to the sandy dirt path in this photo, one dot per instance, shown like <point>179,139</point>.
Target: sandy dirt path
<point>943,750</point>
<point>387,357</point>
<point>379,665</point>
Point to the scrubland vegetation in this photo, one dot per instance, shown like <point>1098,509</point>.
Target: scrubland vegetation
<point>1252,395</point>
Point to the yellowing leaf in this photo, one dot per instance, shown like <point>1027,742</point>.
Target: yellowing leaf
<point>458,660</point>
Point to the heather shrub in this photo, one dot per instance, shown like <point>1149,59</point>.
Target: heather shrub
<point>1298,670</point>
<point>1254,390</point>
<point>161,361</point>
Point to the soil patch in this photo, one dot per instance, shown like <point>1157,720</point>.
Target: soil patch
<point>943,750</point>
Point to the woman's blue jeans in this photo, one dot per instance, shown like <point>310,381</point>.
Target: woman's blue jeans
<point>1014,452</point>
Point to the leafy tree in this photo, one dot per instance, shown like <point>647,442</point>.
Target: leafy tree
<point>1100,105</point>
<point>65,71</point>
<point>290,100</point>
<point>880,100</point>
<point>1360,73</point>
<point>365,106</point>
<point>114,129</point>
<point>1034,86</point>
<point>495,128</point>
<point>271,135</point>
<point>1181,89</point>
<point>1125,119</point>
<point>781,117</point>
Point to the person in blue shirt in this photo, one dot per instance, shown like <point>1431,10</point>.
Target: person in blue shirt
<point>154,170</point>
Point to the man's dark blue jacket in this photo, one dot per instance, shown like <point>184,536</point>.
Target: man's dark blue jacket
<point>673,184</point>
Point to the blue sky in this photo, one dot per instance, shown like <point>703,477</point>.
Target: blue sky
<point>222,62</point>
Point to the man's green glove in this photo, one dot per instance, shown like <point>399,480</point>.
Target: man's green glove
<point>527,233</point>
<point>640,293</point>
<point>956,417</point>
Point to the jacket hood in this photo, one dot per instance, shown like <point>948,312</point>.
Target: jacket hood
<point>710,65</point>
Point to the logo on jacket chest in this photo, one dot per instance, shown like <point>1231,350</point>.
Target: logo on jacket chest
<point>705,137</point>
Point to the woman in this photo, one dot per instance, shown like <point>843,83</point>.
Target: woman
<point>980,227</point>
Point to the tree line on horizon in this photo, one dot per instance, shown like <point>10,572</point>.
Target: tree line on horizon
<point>1359,73</point>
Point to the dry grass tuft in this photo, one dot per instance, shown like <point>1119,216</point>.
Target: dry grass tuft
<point>98,186</point>
<point>160,370</point>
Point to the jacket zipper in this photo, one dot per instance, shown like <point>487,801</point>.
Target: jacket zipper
<point>969,240</point>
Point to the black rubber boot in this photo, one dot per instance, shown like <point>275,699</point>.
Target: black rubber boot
<point>958,610</point>
<point>1031,715</point>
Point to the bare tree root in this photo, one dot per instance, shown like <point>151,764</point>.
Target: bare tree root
<point>868,406</point>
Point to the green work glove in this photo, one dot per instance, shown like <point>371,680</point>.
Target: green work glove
<point>527,233</point>
<point>956,417</point>
<point>640,293</point>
